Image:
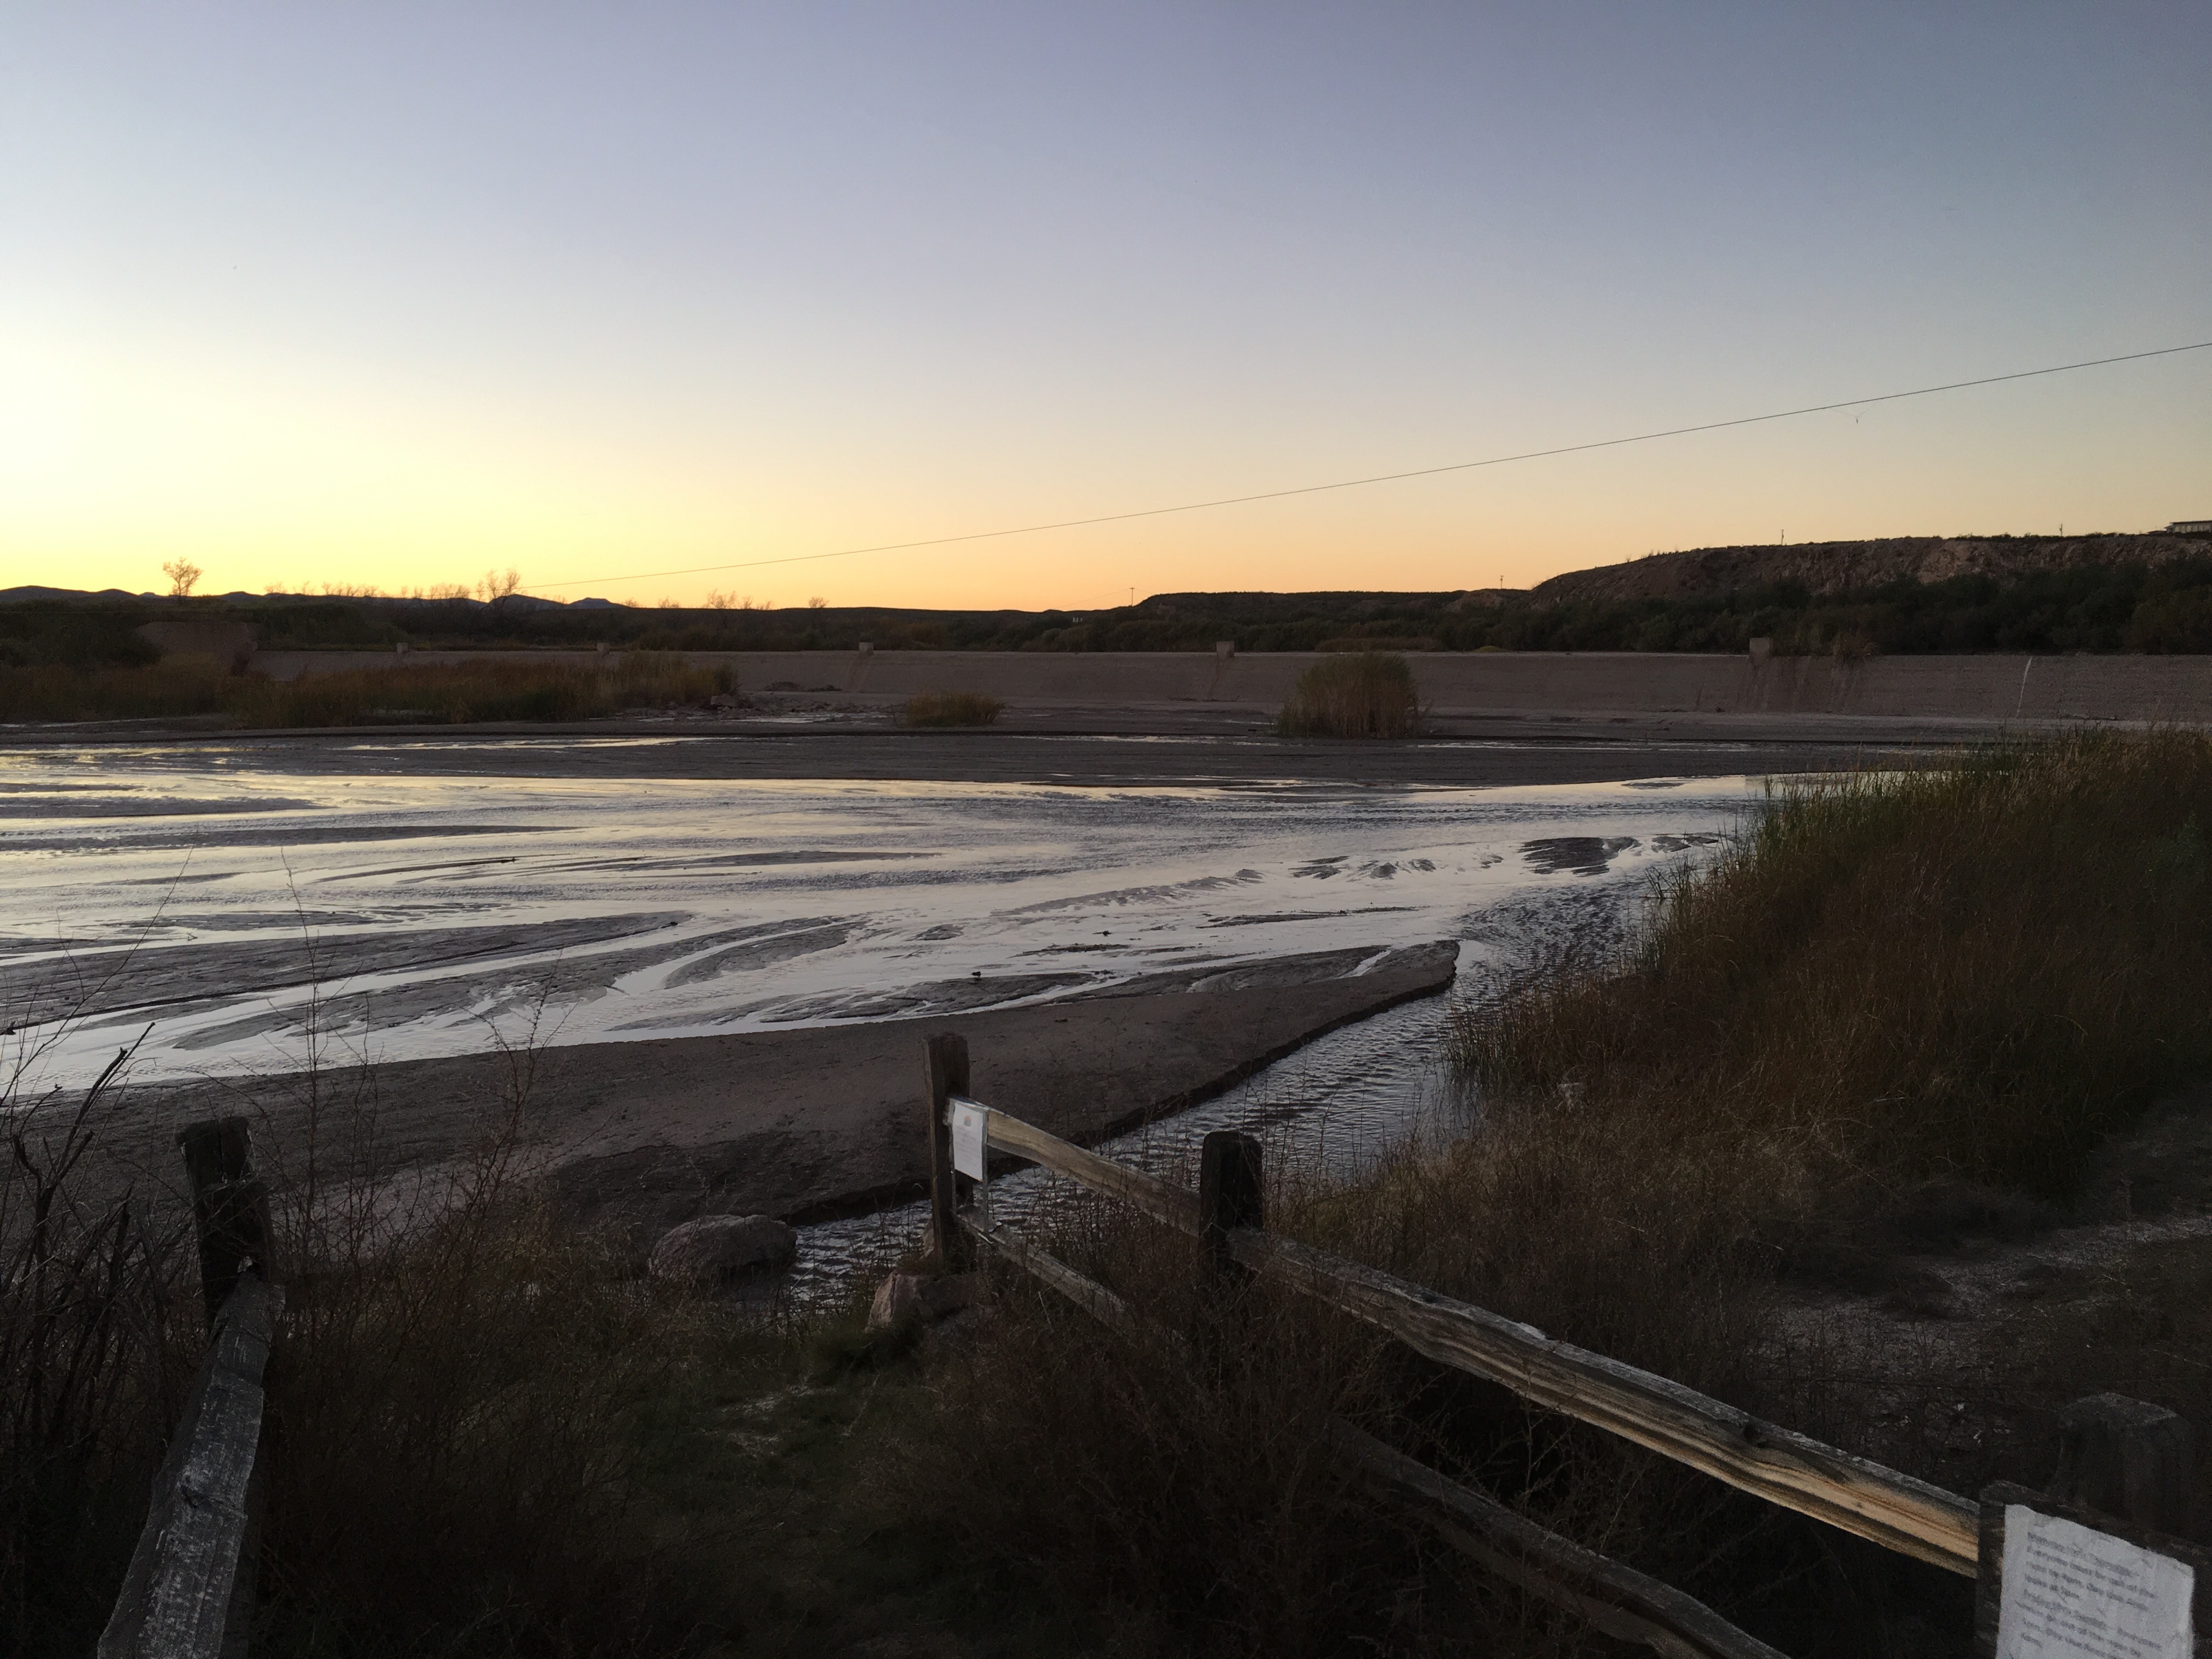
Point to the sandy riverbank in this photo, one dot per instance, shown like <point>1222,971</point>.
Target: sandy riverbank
<point>800,1124</point>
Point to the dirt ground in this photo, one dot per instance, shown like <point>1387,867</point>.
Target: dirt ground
<point>1976,1318</point>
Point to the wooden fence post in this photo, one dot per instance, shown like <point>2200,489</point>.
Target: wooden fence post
<point>191,1587</point>
<point>947,1075</point>
<point>1231,1194</point>
<point>230,1210</point>
<point>2128,1458</point>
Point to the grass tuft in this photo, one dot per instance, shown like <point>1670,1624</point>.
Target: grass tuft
<point>1364,694</point>
<point>951,709</point>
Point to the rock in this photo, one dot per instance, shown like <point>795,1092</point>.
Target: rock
<point>717,1248</point>
<point>917,1299</point>
<point>898,1302</point>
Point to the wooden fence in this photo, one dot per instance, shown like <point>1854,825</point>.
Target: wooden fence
<point>189,1593</point>
<point>2127,1471</point>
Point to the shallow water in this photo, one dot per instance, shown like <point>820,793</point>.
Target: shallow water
<point>1331,1109</point>
<point>242,911</point>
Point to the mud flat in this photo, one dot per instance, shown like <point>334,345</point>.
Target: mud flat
<point>1175,749</point>
<point>809,1123</point>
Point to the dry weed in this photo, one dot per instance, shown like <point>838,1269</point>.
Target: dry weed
<point>1362,694</point>
<point>951,709</point>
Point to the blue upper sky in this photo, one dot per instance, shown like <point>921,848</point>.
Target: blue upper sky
<point>392,293</point>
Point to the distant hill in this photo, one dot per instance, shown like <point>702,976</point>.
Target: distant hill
<point>1907,595</point>
<point>1823,569</point>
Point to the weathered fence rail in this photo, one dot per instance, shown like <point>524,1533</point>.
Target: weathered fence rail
<point>189,1591</point>
<point>185,1594</point>
<point>1793,1470</point>
<point>1895,1510</point>
<point>2128,1467</point>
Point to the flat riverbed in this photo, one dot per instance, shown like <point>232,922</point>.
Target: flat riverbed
<point>729,976</point>
<point>248,908</point>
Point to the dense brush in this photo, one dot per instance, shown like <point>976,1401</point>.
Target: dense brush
<point>1360,694</point>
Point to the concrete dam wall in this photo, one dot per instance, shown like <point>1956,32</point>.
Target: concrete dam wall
<point>1967,688</point>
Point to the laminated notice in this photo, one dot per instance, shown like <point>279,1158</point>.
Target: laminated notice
<point>970,1131</point>
<point>2071,1592</point>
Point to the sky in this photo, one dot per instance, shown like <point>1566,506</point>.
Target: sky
<point>395,294</point>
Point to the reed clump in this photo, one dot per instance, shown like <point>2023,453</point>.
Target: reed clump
<point>951,709</point>
<point>1359,693</point>
<point>443,693</point>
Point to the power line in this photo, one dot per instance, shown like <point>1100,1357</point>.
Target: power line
<point>1389,478</point>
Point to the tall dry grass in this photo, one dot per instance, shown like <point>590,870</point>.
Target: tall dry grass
<point>98,1336</point>
<point>452,1434</point>
<point>1362,694</point>
<point>1970,973</point>
<point>447,692</point>
<point>1178,1469</point>
<point>451,1458</point>
<point>1895,998</point>
<point>1898,1004</point>
<point>453,1401</point>
<point>1182,1470</point>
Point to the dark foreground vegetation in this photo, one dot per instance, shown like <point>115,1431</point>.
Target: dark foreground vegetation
<point>1901,1014</point>
<point>456,692</point>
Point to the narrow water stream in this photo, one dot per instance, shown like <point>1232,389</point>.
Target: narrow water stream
<point>1333,1109</point>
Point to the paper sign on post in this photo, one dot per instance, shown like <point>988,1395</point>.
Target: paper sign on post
<point>970,1131</point>
<point>2071,1592</point>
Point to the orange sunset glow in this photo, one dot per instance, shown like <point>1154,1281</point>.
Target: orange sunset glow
<point>292,300</point>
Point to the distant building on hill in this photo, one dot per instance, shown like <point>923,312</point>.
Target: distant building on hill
<point>2191,528</point>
